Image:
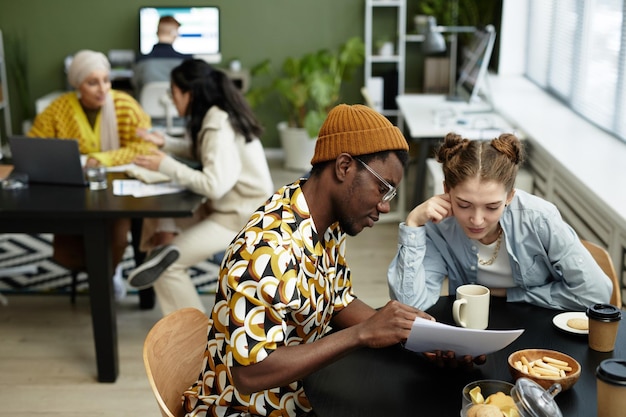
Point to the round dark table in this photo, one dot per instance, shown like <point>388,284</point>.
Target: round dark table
<point>396,381</point>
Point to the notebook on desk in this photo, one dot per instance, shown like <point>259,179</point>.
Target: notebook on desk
<point>49,161</point>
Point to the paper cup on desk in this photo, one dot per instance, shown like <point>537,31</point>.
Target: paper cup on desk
<point>603,325</point>
<point>611,382</point>
<point>471,308</point>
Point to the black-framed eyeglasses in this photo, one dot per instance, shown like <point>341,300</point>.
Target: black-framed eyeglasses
<point>392,191</point>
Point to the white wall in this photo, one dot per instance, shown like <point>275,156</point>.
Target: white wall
<point>512,58</point>
<point>577,166</point>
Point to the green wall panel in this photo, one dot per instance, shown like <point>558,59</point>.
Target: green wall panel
<point>46,31</point>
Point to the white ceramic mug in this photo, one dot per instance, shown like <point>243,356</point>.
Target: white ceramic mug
<point>471,308</point>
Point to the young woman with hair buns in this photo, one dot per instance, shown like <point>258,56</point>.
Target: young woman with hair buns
<point>482,230</point>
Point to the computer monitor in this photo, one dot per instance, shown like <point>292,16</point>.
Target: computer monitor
<point>472,83</point>
<point>199,32</point>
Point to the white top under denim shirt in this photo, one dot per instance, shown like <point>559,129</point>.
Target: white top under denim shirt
<point>550,267</point>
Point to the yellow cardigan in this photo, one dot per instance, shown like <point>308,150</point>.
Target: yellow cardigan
<point>64,118</point>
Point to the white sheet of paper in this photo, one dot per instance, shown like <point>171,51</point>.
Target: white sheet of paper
<point>428,336</point>
<point>125,187</point>
<point>137,188</point>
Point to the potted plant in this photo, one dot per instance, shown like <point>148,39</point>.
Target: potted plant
<point>384,46</point>
<point>307,88</point>
<point>17,61</point>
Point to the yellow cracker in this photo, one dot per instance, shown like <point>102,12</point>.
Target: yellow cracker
<point>555,362</point>
<point>578,323</point>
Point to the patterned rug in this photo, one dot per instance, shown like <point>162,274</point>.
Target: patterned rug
<point>26,267</point>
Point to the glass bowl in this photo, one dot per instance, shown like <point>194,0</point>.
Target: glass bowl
<point>487,387</point>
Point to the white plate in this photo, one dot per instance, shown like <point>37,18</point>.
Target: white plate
<point>560,321</point>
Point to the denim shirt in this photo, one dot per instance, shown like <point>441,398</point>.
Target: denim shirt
<point>550,267</point>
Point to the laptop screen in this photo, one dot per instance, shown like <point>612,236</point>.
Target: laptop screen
<point>48,160</point>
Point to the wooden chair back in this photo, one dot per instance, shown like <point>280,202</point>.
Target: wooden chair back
<point>172,356</point>
<point>603,259</point>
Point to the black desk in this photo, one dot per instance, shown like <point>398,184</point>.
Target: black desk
<point>395,381</point>
<point>77,210</point>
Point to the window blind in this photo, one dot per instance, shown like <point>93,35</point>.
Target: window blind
<point>577,52</point>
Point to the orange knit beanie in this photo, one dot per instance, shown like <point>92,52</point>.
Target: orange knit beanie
<point>357,130</point>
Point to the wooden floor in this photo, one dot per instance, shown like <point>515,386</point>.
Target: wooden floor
<point>47,358</point>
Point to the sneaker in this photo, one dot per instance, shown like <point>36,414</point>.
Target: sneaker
<point>119,287</point>
<point>151,269</point>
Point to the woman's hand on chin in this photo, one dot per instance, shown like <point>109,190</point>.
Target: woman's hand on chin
<point>434,209</point>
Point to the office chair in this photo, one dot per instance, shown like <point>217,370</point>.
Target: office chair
<point>172,355</point>
<point>603,259</point>
<point>68,252</point>
<point>154,99</point>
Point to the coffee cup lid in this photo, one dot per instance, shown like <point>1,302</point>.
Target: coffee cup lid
<point>604,312</point>
<point>612,371</point>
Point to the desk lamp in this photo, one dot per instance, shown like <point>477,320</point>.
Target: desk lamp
<point>434,42</point>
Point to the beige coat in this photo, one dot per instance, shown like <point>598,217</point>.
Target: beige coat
<point>235,176</point>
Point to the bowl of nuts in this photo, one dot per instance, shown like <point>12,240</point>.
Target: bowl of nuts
<point>545,367</point>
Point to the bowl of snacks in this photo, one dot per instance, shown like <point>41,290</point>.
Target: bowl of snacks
<point>488,395</point>
<point>545,367</point>
<point>524,399</point>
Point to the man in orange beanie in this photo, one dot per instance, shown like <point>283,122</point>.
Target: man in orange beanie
<point>284,281</point>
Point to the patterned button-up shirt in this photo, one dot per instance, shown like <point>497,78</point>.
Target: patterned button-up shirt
<point>280,285</point>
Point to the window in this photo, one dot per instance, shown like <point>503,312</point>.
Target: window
<point>577,52</point>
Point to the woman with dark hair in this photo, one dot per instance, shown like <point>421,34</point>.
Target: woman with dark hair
<point>484,231</point>
<point>222,135</point>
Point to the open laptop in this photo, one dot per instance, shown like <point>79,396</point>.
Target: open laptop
<point>50,161</point>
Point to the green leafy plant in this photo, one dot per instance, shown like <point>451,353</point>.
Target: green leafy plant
<point>470,12</point>
<point>310,85</point>
<point>18,64</point>
<point>477,13</point>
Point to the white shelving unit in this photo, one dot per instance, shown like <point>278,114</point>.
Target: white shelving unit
<point>403,37</point>
<point>4,97</point>
<point>396,60</point>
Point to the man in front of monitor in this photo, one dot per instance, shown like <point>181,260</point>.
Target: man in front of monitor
<point>167,32</point>
<point>159,62</point>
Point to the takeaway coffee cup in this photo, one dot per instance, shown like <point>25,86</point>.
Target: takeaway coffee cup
<point>611,382</point>
<point>471,308</point>
<point>603,324</point>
